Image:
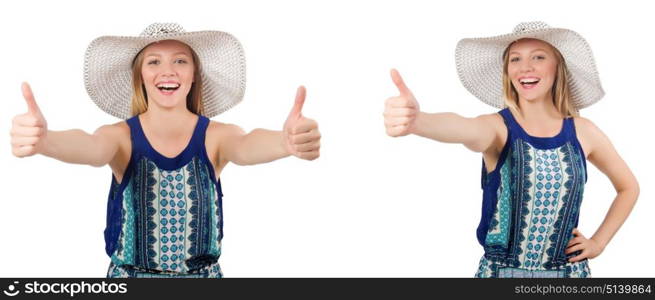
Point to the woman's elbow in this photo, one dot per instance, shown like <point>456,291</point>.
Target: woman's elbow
<point>636,189</point>
<point>632,190</point>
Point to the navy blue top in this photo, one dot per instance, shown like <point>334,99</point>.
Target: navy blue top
<point>531,199</point>
<point>166,214</point>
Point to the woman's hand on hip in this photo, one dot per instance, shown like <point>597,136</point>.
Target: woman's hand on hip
<point>589,247</point>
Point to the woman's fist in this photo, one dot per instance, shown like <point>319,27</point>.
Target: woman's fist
<point>400,112</point>
<point>28,130</point>
<point>301,136</point>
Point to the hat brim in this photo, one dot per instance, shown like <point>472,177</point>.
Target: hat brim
<point>108,70</point>
<point>480,65</point>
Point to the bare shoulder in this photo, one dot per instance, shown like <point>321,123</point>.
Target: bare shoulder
<point>493,126</point>
<point>218,129</point>
<point>216,136</point>
<point>116,128</point>
<point>118,131</point>
<point>589,135</point>
<point>496,122</point>
<point>489,132</point>
<point>218,133</point>
<point>494,119</point>
<point>584,124</point>
<point>586,129</point>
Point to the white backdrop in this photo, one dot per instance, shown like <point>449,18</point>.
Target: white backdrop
<point>371,205</point>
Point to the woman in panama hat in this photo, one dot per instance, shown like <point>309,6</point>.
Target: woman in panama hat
<point>534,149</point>
<point>164,212</point>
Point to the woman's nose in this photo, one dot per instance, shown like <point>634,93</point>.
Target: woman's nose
<point>527,66</point>
<point>167,69</point>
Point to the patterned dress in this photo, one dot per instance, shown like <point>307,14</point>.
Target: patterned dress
<point>531,203</point>
<point>165,218</point>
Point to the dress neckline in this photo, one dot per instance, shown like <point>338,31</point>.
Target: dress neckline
<point>538,141</point>
<point>179,160</point>
<point>186,148</point>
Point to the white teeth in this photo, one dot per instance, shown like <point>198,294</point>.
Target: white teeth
<point>529,80</point>
<point>168,85</point>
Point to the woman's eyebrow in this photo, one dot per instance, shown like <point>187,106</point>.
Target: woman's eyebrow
<point>174,54</point>
<point>535,50</point>
<point>538,49</point>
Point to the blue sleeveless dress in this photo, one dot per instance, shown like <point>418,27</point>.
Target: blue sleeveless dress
<point>165,218</point>
<point>531,203</point>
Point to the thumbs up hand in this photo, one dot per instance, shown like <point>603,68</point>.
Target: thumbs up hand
<point>301,135</point>
<point>400,112</point>
<point>28,130</point>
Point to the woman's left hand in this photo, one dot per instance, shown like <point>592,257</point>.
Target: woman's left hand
<point>589,247</point>
<point>301,135</point>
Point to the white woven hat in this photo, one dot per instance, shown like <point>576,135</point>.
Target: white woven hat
<point>480,63</point>
<point>108,67</point>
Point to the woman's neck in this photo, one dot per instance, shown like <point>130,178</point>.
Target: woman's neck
<point>539,117</point>
<point>168,122</point>
<point>538,110</point>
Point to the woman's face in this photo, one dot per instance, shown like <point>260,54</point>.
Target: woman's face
<point>532,68</point>
<point>167,73</point>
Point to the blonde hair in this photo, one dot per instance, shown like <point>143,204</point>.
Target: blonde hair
<point>560,91</point>
<point>140,97</point>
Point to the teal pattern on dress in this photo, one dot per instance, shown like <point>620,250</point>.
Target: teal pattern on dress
<point>170,218</point>
<point>531,204</point>
<point>499,231</point>
<point>125,271</point>
<point>491,269</point>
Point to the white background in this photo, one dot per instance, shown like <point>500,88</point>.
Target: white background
<point>371,205</point>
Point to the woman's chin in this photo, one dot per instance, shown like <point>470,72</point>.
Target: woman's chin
<point>168,104</point>
<point>533,97</point>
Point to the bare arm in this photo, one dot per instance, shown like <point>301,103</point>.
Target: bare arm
<point>300,137</point>
<point>78,147</point>
<point>603,155</point>
<point>258,146</point>
<point>30,135</point>
<point>477,134</point>
<point>403,116</point>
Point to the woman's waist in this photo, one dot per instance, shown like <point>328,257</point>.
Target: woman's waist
<point>193,265</point>
<point>495,266</point>
<point>528,260</point>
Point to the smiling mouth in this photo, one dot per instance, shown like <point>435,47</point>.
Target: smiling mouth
<point>529,82</point>
<point>168,87</point>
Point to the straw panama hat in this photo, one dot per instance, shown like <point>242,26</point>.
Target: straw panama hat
<point>108,67</point>
<point>480,63</point>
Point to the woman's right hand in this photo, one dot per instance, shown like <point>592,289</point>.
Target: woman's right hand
<point>28,130</point>
<point>400,112</point>
<point>403,116</point>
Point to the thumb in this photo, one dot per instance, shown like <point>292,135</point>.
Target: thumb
<point>32,108</point>
<point>400,84</point>
<point>300,101</point>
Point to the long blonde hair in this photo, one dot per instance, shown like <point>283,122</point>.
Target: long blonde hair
<point>560,91</point>
<point>140,97</point>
